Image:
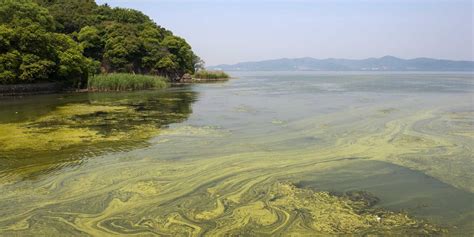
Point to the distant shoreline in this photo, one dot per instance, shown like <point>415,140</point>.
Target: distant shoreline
<point>387,63</point>
<point>354,71</point>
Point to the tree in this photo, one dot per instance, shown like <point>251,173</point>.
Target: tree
<point>72,63</point>
<point>123,48</point>
<point>71,15</point>
<point>66,40</point>
<point>31,52</point>
<point>184,56</point>
<point>21,13</point>
<point>198,63</point>
<point>91,40</point>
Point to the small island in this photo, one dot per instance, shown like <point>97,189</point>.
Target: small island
<point>50,46</point>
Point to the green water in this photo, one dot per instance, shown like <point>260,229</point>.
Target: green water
<point>215,159</point>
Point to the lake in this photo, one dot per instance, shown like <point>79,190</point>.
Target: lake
<point>266,153</point>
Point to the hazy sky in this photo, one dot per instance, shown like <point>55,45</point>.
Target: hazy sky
<point>230,31</point>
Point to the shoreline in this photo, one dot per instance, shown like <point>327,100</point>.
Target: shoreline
<point>32,89</point>
<point>202,80</point>
<point>55,87</point>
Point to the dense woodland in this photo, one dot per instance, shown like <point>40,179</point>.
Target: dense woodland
<point>70,40</point>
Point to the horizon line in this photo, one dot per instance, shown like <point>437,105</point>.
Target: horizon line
<point>339,58</point>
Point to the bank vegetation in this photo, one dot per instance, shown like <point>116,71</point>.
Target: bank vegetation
<point>70,41</point>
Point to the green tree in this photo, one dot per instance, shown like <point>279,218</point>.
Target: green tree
<point>92,42</point>
<point>151,37</point>
<point>21,13</point>
<point>71,15</point>
<point>31,52</point>
<point>184,56</point>
<point>123,48</point>
<point>66,40</point>
<point>72,63</point>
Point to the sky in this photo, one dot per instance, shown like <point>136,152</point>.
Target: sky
<point>231,31</point>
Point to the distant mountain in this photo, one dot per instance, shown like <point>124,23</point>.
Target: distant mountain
<point>387,63</point>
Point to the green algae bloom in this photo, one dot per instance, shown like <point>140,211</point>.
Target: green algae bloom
<point>91,127</point>
<point>251,163</point>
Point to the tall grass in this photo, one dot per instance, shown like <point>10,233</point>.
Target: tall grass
<point>204,74</point>
<point>124,82</point>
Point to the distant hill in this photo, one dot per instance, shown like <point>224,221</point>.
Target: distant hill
<point>387,63</point>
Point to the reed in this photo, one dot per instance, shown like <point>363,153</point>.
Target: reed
<point>125,82</point>
<point>204,74</point>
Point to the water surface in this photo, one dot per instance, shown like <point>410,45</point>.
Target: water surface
<point>210,159</point>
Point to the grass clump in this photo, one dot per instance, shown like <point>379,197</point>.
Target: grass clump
<point>125,82</point>
<point>204,74</point>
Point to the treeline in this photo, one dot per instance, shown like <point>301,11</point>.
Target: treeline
<point>69,40</point>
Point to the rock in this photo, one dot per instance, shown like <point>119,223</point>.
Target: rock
<point>186,77</point>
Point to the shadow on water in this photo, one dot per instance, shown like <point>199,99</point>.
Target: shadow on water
<point>41,134</point>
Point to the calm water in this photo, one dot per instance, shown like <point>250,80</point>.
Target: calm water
<point>189,160</point>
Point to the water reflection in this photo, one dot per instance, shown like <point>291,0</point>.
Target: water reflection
<point>41,134</point>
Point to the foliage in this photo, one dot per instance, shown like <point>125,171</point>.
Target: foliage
<point>70,15</point>
<point>123,81</point>
<point>30,51</point>
<point>91,42</point>
<point>124,40</point>
<point>204,74</point>
<point>69,40</point>
<point>22,13</point>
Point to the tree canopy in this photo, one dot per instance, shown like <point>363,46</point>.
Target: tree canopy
<point>68,40</point>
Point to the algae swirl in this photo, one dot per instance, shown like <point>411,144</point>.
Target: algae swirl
<point>237,167</point>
